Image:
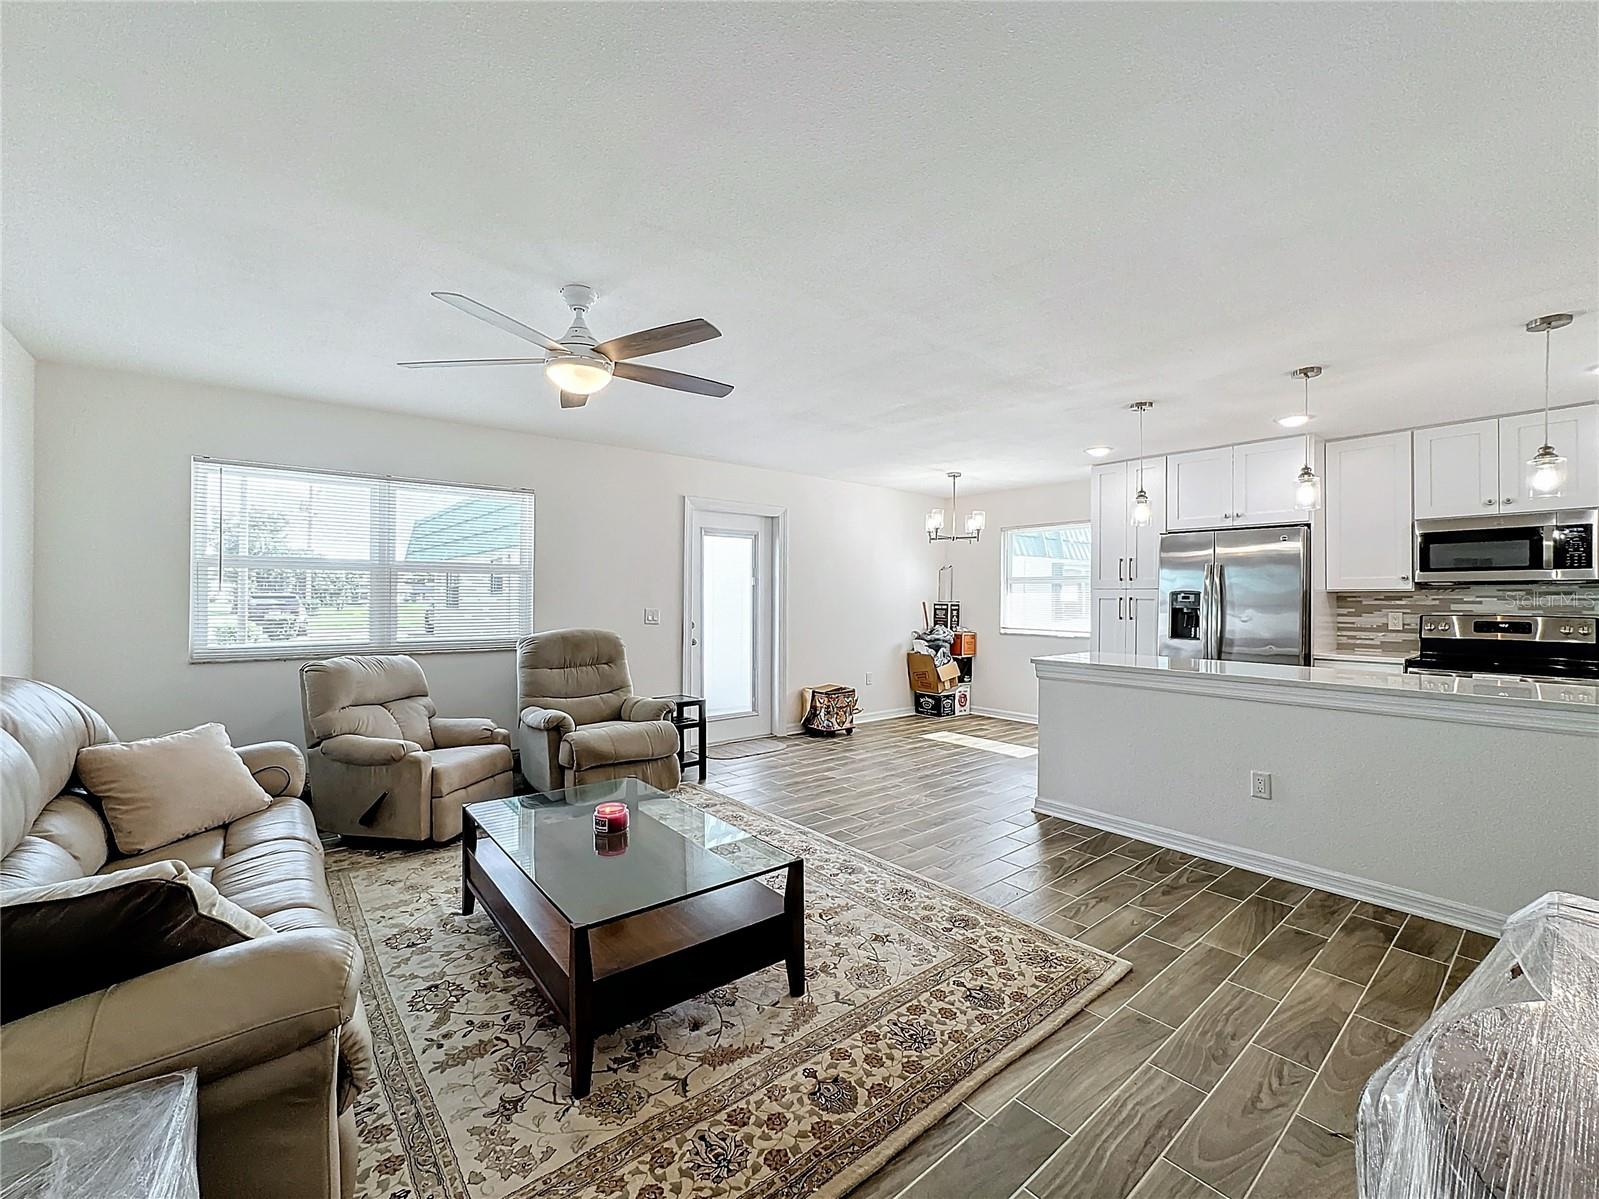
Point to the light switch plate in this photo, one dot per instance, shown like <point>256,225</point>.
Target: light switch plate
<point>652,616</point>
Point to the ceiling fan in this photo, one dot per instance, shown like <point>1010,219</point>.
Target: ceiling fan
<point>577,364</point>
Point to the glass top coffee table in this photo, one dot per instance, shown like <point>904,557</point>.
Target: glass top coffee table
<point>613,927</point>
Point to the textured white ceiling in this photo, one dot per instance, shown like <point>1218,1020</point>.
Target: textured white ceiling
<point>933,236</point>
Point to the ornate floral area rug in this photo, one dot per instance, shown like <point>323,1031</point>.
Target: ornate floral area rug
<point>915,995</point>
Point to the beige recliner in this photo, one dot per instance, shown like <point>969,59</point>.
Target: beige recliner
<point>578,719</point>
<point>383,763</point>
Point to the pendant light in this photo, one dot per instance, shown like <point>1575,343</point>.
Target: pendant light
<point>1546,470</point>
<point>1142,513</point>
<point>976,519</point>
<point>1307,487</point>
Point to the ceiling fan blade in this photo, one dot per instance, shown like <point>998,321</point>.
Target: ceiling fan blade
<point>571,399</point>
<point>656,377</point>
<point>653,341</point>
<point>500,321</point>
<point>478,362</point>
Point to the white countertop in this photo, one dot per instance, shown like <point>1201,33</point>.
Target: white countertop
<point>1556,699</point>
<point>1357,656</point>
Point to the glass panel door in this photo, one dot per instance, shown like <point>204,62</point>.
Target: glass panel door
<point>728,567</point>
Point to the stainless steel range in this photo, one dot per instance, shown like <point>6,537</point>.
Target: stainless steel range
<point>1509,648</point>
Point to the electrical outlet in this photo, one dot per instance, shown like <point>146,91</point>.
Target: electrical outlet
<point>868,678</point>
<point>1260,784</point>
<point>652,616</point>
<point>1396,622</point>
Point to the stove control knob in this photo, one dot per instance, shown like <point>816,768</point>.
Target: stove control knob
<point>1566,629</point>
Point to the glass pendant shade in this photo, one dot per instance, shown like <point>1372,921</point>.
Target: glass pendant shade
<point>935,520</point>
<point>1143,514</point>
<point>1307,490</point>
<point>1546,473</point>
<point>976,521</point>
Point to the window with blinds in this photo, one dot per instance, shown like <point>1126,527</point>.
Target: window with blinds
<point>294,563</point>
<point>1046,580</point>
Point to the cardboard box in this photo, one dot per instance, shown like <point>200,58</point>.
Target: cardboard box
<point>936,705</point>
<point>965,643</point>
<point>926,675</point>
<point>965,665</point>
<point>947,613</point>
<point>963,700</point>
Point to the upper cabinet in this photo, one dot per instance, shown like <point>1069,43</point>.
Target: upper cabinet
<point>1199,489</point>
<point>1127,555</point>
<point>1457,469</point>
<point>1480,467</point>
<point>1251,484</point>
<point>1368,526</point>
<point>1574,432</point>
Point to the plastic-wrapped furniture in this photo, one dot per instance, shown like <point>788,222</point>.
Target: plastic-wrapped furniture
<point>1497,1096</point>
<point>134,1140</point>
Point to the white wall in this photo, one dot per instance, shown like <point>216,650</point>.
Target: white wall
<point>16,506</point>
<point>1003,683</point>
<point>112,527</point>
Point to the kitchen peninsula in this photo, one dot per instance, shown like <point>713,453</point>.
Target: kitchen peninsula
<point>1460,799</point>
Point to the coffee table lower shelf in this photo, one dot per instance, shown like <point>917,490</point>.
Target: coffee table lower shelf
<point>602,977</point>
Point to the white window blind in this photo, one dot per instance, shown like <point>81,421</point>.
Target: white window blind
<point>291,563</point>
<point>1045,588</point>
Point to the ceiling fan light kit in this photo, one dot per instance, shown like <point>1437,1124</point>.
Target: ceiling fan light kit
<point>576,364</point>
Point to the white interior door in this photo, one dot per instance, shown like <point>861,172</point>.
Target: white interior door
<point>732,617</point>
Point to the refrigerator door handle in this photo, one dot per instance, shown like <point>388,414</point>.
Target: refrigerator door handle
<point>1207,606</point>
<point>1219,587</point>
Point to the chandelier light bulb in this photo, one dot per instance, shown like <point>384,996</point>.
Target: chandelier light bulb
<point>935,520</point>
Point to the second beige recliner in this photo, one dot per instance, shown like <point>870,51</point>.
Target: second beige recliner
<point>382,762</point>
<point>578,719</point>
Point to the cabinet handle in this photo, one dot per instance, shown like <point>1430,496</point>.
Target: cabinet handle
<point>1508,500</point>
<point>1132,569</point>
<point>1404,578</point>
<point>1487,503</point>
<point>1121,565</point>
<point>1119,607</point>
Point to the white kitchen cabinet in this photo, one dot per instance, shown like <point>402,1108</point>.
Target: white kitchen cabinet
<point>1143,636</point>
<point>1143,555</point>
<point>1480,467</point>
<point>1125,622</point>
<point>1126,555</point>
<point>1457,470</point>
<point>1110,532</point>
<point>1199,489</point>
<point>1264,477</point>
<point>1574,432</point>
<point>1368,534</point>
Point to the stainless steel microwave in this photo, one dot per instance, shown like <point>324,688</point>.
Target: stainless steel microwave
<point>1546,547</point>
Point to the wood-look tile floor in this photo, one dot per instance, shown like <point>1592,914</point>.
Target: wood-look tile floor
<point>1228,1062</point>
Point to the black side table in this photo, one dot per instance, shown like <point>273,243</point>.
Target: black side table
<point>684,722</point>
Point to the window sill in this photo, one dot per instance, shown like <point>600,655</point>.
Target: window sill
<point>1057,634</point>
<point>314,653</point>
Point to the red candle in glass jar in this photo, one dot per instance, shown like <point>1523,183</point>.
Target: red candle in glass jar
<point>610,818</point>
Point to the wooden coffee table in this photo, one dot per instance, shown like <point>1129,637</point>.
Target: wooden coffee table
<point>613,929</point>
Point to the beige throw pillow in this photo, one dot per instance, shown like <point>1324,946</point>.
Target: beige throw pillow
<point>157,791</point>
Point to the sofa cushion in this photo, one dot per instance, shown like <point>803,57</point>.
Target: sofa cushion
<point>617,741</point>
<point>73,823</point>
<point>285,819</point>
<point>35,862</point>
<point>464,765</point>
<point>201,851</point>
<point>273,877</point>
<point>42,728</point>
<point>77,937</point>
<point>157,790</point>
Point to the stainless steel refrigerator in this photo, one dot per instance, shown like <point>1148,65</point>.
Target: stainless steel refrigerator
<point>1238,594</point>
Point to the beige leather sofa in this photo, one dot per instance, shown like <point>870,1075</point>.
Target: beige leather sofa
<point>579,721</point>
<point>274,1026</point>
<point>383,762</point>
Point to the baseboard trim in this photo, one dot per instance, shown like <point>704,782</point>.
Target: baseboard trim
<point>1386,894</point>
<point>865,718</point>
<point>1003,714</point>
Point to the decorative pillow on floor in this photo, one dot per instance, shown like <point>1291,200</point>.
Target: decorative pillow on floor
<point>69,939</point>
<point>162,789</point>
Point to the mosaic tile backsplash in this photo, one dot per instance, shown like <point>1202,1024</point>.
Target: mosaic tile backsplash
<point>1362,616</point>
